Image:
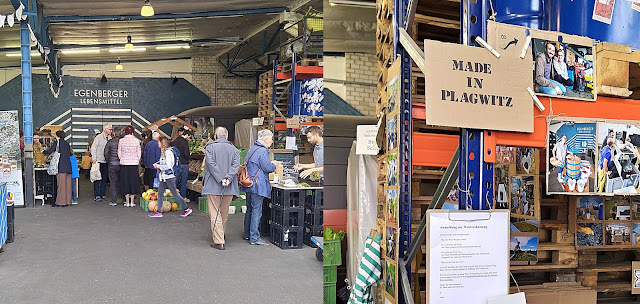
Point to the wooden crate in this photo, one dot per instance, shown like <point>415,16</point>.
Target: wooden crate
<point>612,68</point>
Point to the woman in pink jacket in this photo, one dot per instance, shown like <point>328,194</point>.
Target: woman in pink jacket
<point>129,152</point>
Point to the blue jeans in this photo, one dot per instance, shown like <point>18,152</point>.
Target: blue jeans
<point>551,90</point>
<point>252,217</point>
<point>74,190</point>
<point>182,179</point>
<point>171,184</point>
<point>100,187</point>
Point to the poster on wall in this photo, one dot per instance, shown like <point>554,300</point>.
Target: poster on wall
<point>572,157</point>
<point>393,87</point>
<point>525,196</point>
<point>392,206</point>
<point>563,65</point>
<point>603,10</point>
<point>11,157</point>
<point>523,250</point>
<point>618,158</point>
<point>501,186</point>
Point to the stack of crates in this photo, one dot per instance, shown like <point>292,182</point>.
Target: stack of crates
<point>332,258</point>
<point>265,220</point>
<point>287,218</point>
<point>313,215</point>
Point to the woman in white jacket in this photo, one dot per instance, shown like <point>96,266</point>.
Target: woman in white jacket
<point>167,178</point>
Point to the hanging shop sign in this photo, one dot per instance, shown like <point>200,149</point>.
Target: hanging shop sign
<point>469,87</point>
<point>92,92</point>
<point>563,65</point>
<point>10,156</point>
<point>468,256</point>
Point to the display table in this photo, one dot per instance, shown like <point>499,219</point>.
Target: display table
<point>296,215</point>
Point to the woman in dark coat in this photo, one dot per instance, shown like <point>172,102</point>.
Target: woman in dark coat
<point>63,177</point>
<point>113,162</point>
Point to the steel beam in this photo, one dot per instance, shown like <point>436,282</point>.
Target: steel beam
<point>27,114</point>
<point>226,13</point>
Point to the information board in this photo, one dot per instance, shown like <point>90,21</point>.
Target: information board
<point>288,160</point>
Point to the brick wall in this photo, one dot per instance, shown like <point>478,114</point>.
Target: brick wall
<point>361,82</point>
<point>231,90</point>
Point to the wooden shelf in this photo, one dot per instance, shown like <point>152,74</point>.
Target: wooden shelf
<point>539,267</point>
<point>607,267</point>
<point>613,286</point>
<point>547,246</point>
<point>553,225</point>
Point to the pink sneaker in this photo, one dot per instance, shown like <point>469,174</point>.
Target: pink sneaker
<point>155,214</point>
<point>186,212</point>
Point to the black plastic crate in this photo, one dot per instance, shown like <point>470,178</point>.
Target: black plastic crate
<point>265,220</point>
<point>287,217</point>
<point>288,198</point>
<point>310,231</point>
<point>287,238</point>
<point>313,217</point>
<point>314,198</point>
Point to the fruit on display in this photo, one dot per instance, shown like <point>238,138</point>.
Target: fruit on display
<point>174,206</point>
<point>166,206</point>
<point>153,206</point>
<point>153,195</point>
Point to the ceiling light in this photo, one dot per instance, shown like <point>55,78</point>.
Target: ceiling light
<point>20,54</point>
<point>122,50</point>
<point>172,47</point>
<point>80,51</point>
<point>368,4</point>
<point>119,65</point>
<point>129,45</point>
<point>147,10</point>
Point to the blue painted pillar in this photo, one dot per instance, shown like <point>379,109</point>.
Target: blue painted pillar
<point>27,115</point>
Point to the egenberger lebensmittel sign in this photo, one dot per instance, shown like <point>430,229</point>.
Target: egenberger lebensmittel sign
<point>469,87</point>
<point>91,92</point>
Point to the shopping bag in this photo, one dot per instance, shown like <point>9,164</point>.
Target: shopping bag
<point>55,160</point>
<point>95,172</point>
<point>156,181</point>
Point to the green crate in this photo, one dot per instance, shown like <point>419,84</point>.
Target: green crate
<point>330,274</point>
<point>144,204</point>
<point>332,253</point>
<point>203,205</point>
<point>329,293</point>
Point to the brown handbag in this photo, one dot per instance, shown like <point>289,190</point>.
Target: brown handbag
<point>244,180</point>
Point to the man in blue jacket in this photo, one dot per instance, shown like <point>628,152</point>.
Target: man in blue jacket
<point>259,165</point>
<point>151,156</point>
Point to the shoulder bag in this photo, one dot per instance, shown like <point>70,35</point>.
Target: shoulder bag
<point>55,160</point>
<point>244,180</point>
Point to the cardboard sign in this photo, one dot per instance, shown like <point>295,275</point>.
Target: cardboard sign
<point>635,277</point>
<point>293,123</point>
<point>468,87</point>
<point>366,141</point>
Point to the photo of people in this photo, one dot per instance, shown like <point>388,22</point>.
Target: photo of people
<point>527,160</point>
<point>617,234</point>
<point>562,69</point>
<point>523,196</point>
<point>390,281</point>
<point>571,152</point>
<point>392,206</point>
<point>501,186</point>
<point>391,239</point>
<point>635,208</point>
<point>505,155</point>
<point>393,94</point>
<point>523,250</point>
<point>635,238</point>
<point>589,234</point>
<point>617,209</point>
<point>524,225</point>
<point>392,133</point>
<point>589,208</point>
<point>392,169</point>
<point>618,161</point>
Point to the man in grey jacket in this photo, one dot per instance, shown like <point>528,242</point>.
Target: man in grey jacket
<point>543,78</point>
<point>222,161</point>
<point>97,153</point>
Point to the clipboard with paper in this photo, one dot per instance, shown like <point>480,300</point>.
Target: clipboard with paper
<point>467,256</point>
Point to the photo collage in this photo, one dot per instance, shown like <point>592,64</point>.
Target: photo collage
<point>392,162</point>
<point>517,188</point>
<point>607,222</point>
<point>589,157</point>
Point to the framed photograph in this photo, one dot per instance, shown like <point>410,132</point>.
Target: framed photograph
<point>523,250</point>
<point>635,237</point>
<point>519,225</point>
<point>635,208</point>
<point>392,132</point>
<point>617,209</point>
<point>589,235</point>
<point>392,169</point>
<point>572,157</point>
<point>617,234</point>
<point>505,155</point>
<point>618,158</point>
<point>524,196</point>
<point>527,160</point>
<point>391,239</point>
<point>390,279</point>
<point>392,206</point>
<point>501,176</point>
<point>589,209</point>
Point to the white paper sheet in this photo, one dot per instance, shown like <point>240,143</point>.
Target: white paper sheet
<point>291,143</point>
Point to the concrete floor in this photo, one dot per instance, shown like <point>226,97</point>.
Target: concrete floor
<point>94,253</point>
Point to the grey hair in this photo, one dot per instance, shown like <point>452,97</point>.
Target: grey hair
<point>106,126</point>
<point>221,132</point>
<point>155,135</point>
<point>264,135</point>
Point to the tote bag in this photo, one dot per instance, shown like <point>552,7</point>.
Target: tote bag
<point>55,160</point>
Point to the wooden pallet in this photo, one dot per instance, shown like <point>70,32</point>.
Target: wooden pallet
<point>612,68</point>
<point>609,272</point>
<point>311,62</point>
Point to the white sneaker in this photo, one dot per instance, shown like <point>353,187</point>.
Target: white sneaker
<point>74,203</point>
<point>186,200</point>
